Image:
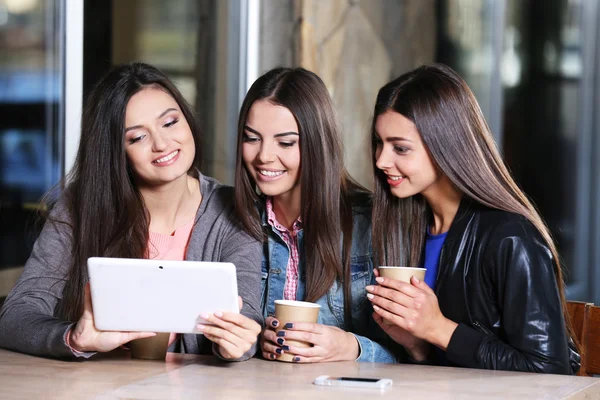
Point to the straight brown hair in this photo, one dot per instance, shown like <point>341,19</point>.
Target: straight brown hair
<point>107,214</point>
<point>448,118</point>
<point>328,192</point>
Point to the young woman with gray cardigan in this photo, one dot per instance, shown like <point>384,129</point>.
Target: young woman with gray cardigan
<point>135,192</point>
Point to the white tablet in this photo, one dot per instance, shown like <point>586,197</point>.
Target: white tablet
<point>157,295</point>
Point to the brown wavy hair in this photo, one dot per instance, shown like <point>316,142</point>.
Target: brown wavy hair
<point>107,214</point>
<point>450,122</point>
<point>328,192</point>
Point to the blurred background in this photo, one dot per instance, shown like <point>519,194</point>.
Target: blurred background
<point>533,65</point>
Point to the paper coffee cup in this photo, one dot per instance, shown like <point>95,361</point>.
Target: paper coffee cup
<point>402,273</point>
<point>294,311</point>
<point>152,348</point>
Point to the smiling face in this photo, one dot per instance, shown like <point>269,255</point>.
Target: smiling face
<point>402,156</point>
<point>158,140</point>
<point>271,149</point>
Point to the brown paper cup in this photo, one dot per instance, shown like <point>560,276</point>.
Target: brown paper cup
<point>152,348</point>
<point>402,273</point>
<point>295,311</point>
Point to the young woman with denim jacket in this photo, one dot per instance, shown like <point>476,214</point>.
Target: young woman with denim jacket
<point>493,295</point>
<point>292,191</point>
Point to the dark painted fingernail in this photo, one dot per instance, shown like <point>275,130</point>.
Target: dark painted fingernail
<point>274,323</point>
<point>280,341</point>
<point>286,348</point>
<point>296,359</point>
<point>278,351</point>
<point>281,333</point>
<point>273,356</point>
<point>289,325</point>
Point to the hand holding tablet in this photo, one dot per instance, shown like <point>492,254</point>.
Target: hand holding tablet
<point>85,337</point>
<point>139,295</point>
<point>234,333</point>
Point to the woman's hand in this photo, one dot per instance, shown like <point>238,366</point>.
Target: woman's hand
<point>329,343</point>
<point>233,333</point>
<point>86,338</point>
<point>413,308</point>
<point>270,344</point>
<point>417,349</point>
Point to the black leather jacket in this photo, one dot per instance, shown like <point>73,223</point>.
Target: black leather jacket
<point>497,281</point>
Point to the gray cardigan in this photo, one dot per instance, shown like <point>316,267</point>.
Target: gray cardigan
<point>27,321</point>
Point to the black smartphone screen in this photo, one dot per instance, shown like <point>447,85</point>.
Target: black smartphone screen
<point>347,378</point>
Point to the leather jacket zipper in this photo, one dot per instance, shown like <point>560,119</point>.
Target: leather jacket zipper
<point>483,329</point>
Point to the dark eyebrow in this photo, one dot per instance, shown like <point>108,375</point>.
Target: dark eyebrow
<point>160,116</point>
<point>393,139</point>
<point>166,111</point>
<point>397,139</point>
<point>246,127</point>
<point>131,128</point>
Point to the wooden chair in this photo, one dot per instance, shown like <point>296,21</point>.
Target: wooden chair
<point>576,310</point>
<point>590,358</point>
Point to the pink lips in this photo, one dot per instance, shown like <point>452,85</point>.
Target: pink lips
<point>395,183</point>
<point>168,162</point>
<point>265,178</point>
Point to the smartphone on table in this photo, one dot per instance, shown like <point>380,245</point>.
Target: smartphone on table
<point>350,381</point>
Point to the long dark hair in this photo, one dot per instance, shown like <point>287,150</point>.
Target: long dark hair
<point>106,211</point>
<point>327,189</point>
<point>448,118</point>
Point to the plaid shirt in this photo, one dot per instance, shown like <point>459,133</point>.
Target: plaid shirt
<point>291,240</point>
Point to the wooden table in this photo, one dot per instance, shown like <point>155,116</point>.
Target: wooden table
<point>202,377</point>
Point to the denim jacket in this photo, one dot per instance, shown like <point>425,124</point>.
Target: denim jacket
<point>274,263</point>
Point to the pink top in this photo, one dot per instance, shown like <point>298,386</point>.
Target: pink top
<point>170,247</point>
<point>291,239</point>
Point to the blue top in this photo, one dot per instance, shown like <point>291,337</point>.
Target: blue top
<point>433,249</point>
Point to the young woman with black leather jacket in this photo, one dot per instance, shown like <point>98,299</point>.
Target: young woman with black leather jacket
<point>444,199</point>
